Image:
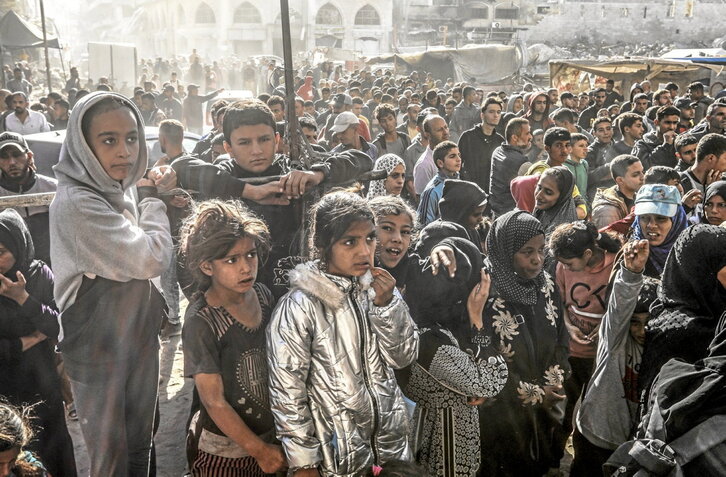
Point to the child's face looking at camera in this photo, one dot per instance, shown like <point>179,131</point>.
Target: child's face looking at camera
<point>352,254</point>
<point>637,327</point>
<point>237,270</point>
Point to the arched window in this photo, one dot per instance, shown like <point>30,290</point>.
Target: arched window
<point>329,15</point>
<point>478,11</point>
<point>247,13</point>
<point>367,16</point>
<point>506,12</point>
<point>205,14</point>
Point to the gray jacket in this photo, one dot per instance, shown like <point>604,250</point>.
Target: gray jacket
<point>331,355</point>
<point>606,418</point>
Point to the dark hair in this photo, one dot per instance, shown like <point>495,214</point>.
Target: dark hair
<point>441,150</point>
<point>308,122</point>
<point>384,110</point>
<point>712,143</point>
<point>15,430</point>
<point>173,129</point>
<point>514,127</point>
<point>600,120</point>
<point>332,216</point>
<point>664,111</point>
<point>489,101</point>
<point>558,173</point>
<point>456,90</point>
<point>276,100</point>
<point>661,175</point>
<point>109,103</point>
<point>149,96</point>
<point>695,86</point>
<point>573,239</point>
<point>63,103</point>
<point>357,100</point>
<point>660,93</point>
<point>552,135</point>
<point>626,120</point>
<point>715,105</point>
<point>385,205</point>
<point>619,165</point>
<point>211,231</point>
<point>450,101</point>
<point>574,137</point>
<point>648,294</point>
<point>640,96</point>
<point>427,121</point>
<point>217,140</point>
<point>217,106</point>
<point>683,140</point>
<point>264,97</point>
<point>246,113</point>
<point>564,115</point>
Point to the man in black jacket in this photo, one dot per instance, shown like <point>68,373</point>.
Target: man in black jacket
<point>656,147</point>
<point>477,144</point>
<point>588,116</point>
<point>507,159</point>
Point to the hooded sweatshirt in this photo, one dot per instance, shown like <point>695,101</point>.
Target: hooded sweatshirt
<point>98,227</point>
<point>652,151</point>
<point>544,122</point>
<point>458,201</point>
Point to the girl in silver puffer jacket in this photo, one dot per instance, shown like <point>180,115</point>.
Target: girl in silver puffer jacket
<point>333,343</point>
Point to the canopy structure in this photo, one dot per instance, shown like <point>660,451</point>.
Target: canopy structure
<point>575,75</point>
<point>16,33</point>
<point>484,63</point>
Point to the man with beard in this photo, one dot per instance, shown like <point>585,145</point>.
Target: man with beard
<point>612,95</point>
<point>688,112</point>
<point>656,147</point>
<point>478,143</point>
<point>538,112</point>
<point>587,117</point>
<point>565,118</point>
<point>568,100</point>
<point>466,113</point>
<point>697,94</point>
<point>640,103</point>
<point>507,159</point>
<point>714,122</point>
<point>24,120</point>
<point>18,177</point>
<point>435,131</point>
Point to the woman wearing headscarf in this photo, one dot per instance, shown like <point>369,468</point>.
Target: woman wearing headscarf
<point>524,316</point>
<point>28,324</point>
<point>714,204</point>
<point>660,219</point>
<point>554,204</point>
<point>690,301</point>
<point>394,181</point>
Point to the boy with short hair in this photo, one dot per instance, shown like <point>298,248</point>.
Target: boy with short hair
<point>576,162</point>
<point>448,162</point>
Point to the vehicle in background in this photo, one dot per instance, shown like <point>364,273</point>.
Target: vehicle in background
<point>46,147</point>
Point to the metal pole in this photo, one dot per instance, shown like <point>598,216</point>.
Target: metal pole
<point>45,45</point>
<point>292,123</point>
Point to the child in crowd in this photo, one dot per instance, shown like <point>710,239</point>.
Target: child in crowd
<point>224,342</point>
<point>577,164</point>
<point>609,411</point>
<point>15,435</point>
<point>333,343</point>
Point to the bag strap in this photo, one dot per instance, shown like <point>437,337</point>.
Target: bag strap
<point>700,439</point>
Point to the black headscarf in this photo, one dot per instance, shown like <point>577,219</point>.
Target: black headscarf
<point>508,234</point>
<point>717,188</point>
<point>563,212</point>
<point>689,282</point>
<point>14,236</point>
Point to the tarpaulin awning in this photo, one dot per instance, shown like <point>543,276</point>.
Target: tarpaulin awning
<point>16,33</point>
<point>567,74</point>
<point>484,63</point>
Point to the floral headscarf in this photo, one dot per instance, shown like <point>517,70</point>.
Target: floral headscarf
<point>386,162</point>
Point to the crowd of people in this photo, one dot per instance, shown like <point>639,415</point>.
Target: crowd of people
<point>450,282</point>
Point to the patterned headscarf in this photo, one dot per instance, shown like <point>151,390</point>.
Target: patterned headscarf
<point>386,162</point>
<point>509,233</point>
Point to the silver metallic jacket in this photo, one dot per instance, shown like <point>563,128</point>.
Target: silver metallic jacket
<point>331,355</point>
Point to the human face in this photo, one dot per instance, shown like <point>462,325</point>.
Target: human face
<point>538,141</point>
<point>19,104</point>
<point>664,99</point>
<point>357,109</point>
<point>59,111</point>
<point>15,163</point>
<point>720,163</point>
<point>448,109</point>
<point>518,105</point>
<point>394,238</point>
<point>235,273</point>
<point>147,104</point>
<point>569,103</point>
<point>546,193</point>
<point>395,180</point>
<point>600,99</point>
<point>554,96</point>
<point>717,121</point>
<point>633,179</point>
<point>529,260</point>
<point>524,138</point>
<point>637,327</point>
<point>655,227</point>
<point>413,113</point>
<point>688,154</point>
<point>278,112</point>
<point>7,461</point>
<point>310,110</point>
<point>559,151</point>
<point>579,150</point>
<point>311,135</point>
<point>715,210</point>
<point>668,123</point>
<point>253,147</point>
<point>540,104</point>
<point>636,130</point>
<point>7,259</point>
<point>300,108</point>
<point>388,123</point>
<point>439,132</point>
<point>640,106</point>
<point>352,254</point>
<point>492,115</point>
<point>348,137</point>
<point>604,132</point>
<point>114,139</point>
<point>217,150</point>
<point>687,114</point>
<point>576,264</point>
<point>451,163</point>
<point>476,217</point>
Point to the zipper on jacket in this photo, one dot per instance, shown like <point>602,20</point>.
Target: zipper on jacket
<point>366,376</point>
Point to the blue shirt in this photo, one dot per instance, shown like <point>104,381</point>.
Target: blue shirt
<point>428,207</point>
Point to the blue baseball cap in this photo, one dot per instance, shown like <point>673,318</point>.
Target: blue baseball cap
<point>657,199</point>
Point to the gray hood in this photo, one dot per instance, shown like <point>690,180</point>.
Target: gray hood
<point>78,165</point>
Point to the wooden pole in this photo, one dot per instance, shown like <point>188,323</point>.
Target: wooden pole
<point>45,45</point>
<point>26,200</point>
<point>293,137</point>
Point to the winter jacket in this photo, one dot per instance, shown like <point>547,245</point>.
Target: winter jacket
<point>652,151</point>
<point>506,161</point>
<point>476,151</point>
<point>608,413</point>
<point>464,117</point>
<point>331,355</point>
<point>599,175</point>
<point>608,207</point>
<point>380,142</point>
<point>703,128</point>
